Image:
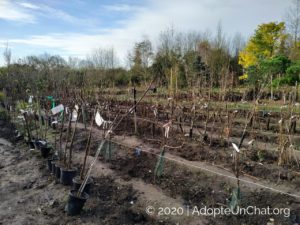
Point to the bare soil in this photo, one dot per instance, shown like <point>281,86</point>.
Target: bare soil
<point>30,195</point>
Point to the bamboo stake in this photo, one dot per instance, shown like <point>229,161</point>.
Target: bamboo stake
<point>87,148</point>
<point>72,142</point>
<point>67,138</point>
<point>27,126</point>
<point>60,137</point>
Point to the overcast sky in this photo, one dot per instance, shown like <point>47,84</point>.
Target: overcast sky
<point>75,27</point>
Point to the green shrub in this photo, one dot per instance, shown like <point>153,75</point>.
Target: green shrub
<point>294,69</point>
<point>291,77</point>
<point>1,96</point>
<point>4,115</point>
<point>286,80</point>
<point>21,105</point>
<point>122,79</point>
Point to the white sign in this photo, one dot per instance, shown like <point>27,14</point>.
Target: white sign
<point>57,109</point>
<point>74,115</point>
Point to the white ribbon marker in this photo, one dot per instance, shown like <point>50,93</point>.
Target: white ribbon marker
<point>167,128</point>
<point>236,148</point>
<point>98,119</point>
<point>251,142</point>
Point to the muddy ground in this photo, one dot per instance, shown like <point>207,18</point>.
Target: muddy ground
<point>195,188</point>
<point>124,186</point>
<point>30,195</point>
<point>256,161</point>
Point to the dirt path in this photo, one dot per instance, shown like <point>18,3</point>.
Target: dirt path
<point>27,194</point>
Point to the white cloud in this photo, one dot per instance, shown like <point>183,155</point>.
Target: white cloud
<point>52,12</point>
<point>75,44</point>
<point>11,12</point>
<point>26,12</point>
<point>29,5</point>
<point>47,11</point>
<point>155,16</point>
<point>121,8</point>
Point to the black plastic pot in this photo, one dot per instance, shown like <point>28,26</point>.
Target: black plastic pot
<point>58,165</point>
<point>67,175</point>
<point>50,162</point>
<point>53,166</point>
<point>45,151</point>
<point>77,183</point>
<point>36,144</point>
<point>31,143</point>
<point>75,203</point>
<point>19,136</point>
<point>54,126</point>
<point>40,143</point>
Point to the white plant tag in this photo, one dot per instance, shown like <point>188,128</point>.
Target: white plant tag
<point>74,115</point>
<point>167,129</point>
<point>30,99</point>
<point>236,148</point>
<point>57,109</point>
<point>99,120</point>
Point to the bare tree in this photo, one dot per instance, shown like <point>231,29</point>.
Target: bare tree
<point>293,20</point>
<point>145,48</point>
<point>237,44</point>
<point>103,58</point>
<point>220,39</point>
<point>7,55</point>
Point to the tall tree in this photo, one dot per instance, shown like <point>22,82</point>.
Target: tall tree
<point>268,40</point>
<point>7,55</point>
<point>293,20</point>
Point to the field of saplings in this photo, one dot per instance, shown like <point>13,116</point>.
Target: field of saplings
<point>137,156</point>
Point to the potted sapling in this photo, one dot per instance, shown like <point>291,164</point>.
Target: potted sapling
<point>78,180</point>
<point>67,172</point>
<point>41,142</point>
<point>30,140</point>
<point>23,107</point>
<point>77,198</point>
<point>56,164</point>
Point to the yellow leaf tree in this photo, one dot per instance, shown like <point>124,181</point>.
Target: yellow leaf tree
<point>268,40</point>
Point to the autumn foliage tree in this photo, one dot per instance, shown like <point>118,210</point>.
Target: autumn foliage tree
<point>267,41</point>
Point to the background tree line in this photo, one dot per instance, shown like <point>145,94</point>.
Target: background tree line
<point>180,61</point>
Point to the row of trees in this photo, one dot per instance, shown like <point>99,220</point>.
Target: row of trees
<point>192,60</point>
<point>180,60</point>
